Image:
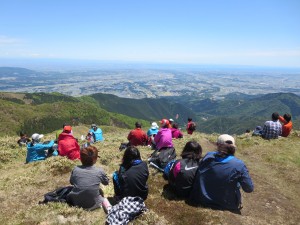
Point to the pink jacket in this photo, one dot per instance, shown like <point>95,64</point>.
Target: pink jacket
<point>163,138</point>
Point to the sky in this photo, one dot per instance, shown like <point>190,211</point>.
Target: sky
<point>217,32</point>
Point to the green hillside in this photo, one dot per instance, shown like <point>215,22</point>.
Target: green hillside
<point>41,112</point>
<point>273,165</point>
<point>34,112</point>
<point>237,113</point>
<point>147,109</point>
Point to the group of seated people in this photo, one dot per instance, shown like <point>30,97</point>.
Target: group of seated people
<point>212,181</point>
<point>155,137</point>
<point>278,126</point>
<point>64,145</point>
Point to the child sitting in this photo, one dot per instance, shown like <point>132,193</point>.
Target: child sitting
<point>86,180</point>
<point>182,173</point>
<point>131,179</point>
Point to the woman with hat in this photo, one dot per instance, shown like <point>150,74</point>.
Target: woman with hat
<point>67,144</point>
<point>151,134</point>
<point>36,150</point>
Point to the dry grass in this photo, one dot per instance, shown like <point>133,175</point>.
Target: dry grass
<point>274,166</point>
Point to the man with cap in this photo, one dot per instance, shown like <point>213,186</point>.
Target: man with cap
<point>163,139</point>
<point>97,133</point>
<point>137,136</point>
<point>220,176</point>
<point>38,151</point>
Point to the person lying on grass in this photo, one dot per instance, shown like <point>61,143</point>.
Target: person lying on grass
<point>86,180</point>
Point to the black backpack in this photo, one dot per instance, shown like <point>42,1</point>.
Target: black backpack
<point>192,126</point>
<point>58,195</point>
<point>163,156</point>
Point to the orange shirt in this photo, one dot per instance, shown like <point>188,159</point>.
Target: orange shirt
<point>286,126</point>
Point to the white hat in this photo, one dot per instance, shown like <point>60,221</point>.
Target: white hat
<point>154,125</point>
<point>171,120</point>
<point>36,136</point>
<point>226,139</point>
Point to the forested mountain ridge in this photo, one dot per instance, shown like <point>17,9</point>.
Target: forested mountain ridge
<point>35,112</point>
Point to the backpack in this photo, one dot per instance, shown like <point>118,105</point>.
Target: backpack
<point>192,126</point>
<point>162,157</point>
<point>168,169</point>
<point>58,195</point>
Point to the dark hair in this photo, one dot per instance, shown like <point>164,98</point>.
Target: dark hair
<point>192,150</point>
<point>88,155</point>
<point>131,153</point>
<point>226,149</point>
<point>138,125</point>
<point>175,125</point>
<point>190,119</point>
<point>287,117</point>
<point>275,116</point>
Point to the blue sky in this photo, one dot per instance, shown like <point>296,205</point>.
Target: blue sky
<point>227,32</point>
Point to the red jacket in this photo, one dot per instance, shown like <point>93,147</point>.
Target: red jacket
<point>68,146</point>
<point>286,126</point>
<point>188,127</point>
<point>137,137</point>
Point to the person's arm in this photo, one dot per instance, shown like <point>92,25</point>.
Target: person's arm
<point>246,181</point>
<point>72,178</point>
<point>48,145</point>
<point>103,177</point>
<point>129,136</point>
<point>282,120</point>
<point>157,137</point>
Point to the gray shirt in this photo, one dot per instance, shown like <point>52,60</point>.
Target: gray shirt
<point>86,181</point>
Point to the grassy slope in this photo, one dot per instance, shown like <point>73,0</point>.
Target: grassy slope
<point>274,166</point>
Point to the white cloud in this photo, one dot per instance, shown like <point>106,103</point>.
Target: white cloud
<point>4,40</point>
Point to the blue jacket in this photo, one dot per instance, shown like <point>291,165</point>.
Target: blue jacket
<point>97,134</point>
<point>218,180</point>
<point>151,132</point>
<point>36,151</point>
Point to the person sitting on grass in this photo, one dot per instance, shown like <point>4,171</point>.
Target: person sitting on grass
<point>151,134</point>
<point>182,173</point>
<point>176,133</point>
<point>287,124</point>
<point>97,133</point>
<point>39,151</point>
<point>272,129</point>
<point>131,179</point>
<point>23,139</point>
<point>137,136</point>
<point>163,139</point>
<point>219,178</point>
<point>68,145</point>
<point>86,180</point>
